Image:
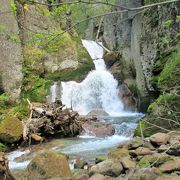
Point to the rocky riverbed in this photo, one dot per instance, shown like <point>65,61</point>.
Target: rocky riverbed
<point>156,157</point>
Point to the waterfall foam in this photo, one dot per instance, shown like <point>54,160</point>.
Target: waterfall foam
<point>97,91</point>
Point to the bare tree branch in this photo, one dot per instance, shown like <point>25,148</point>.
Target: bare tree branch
<point>79,1</point>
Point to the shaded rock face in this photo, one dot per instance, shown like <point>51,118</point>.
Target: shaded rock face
<point>139,40</point>
<point>11,130</point>
<point>48,165</point>
<point>11,58</point>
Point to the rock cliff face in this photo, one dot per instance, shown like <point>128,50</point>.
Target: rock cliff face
<point>11,58</point>
<point>30,60</point>
<point>140,39</point>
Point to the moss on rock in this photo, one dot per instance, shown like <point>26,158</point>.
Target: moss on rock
<point>49,165</point>
<point>11,130</point>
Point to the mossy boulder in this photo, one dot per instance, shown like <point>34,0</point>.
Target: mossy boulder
<point>156,158</point>
<point>49,165</point>
<point>118,153</point>
<point>11,130</point>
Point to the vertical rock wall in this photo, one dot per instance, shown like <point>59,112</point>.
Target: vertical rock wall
<point>140,39</point>
<point>11,58</point>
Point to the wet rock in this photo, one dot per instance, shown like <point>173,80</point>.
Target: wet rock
<point>11,130</point>
<point>98,129</point>
<point>128,163</point>
<point>118,153</point>
<point>159,138</point>
<point>110,58</point>
<point>98,177</point>
<point>170,166</point>
<point>109,167</point>
<point>48,165</point>
<point>141,151</point>
<point>98,112</point>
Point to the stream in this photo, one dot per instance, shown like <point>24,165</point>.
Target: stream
<point>99,90</point>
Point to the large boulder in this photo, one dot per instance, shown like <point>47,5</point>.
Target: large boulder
<point>159,138</point>
<point>98,129</point>
<point>48,165</point>
<point>109,167</point>
<point>11,130</point>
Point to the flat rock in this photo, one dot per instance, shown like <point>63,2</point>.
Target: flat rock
<point>109,167</point>
<point>170,166</point>
<point>118,153</point>
<point>159,138</point>
<point>141,151</point>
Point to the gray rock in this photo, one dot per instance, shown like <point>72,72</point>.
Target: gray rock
<point>110,167</point>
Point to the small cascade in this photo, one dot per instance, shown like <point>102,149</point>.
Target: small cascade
<point>97,91</point>
<point>53,91</point>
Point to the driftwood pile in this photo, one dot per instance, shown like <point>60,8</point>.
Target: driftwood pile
<point>51,119</point>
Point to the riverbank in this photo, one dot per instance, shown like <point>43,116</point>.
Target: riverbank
<point>156,157</point>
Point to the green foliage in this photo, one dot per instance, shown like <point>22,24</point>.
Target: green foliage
<point>66,75</point>
<point>14,38</point>
<point>35,88</point>
<point>58,10</point>
<point>169,77</point>
<point>13,8</point>
<point>168,22</point>
<point>178,17</point>
<point>2,27</point>
<point>4,100</point>
<point>145,127</point>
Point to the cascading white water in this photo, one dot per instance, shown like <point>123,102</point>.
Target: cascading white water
<point>97,91</point>
<point>53,92</point>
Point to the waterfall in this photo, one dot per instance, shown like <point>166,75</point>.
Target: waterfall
<point>53,92</point>
<point>97,91</point>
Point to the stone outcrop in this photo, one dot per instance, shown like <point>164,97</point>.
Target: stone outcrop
<point>11,58</point>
